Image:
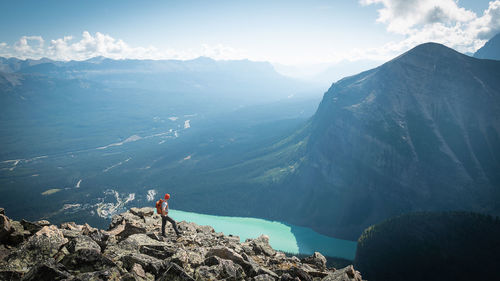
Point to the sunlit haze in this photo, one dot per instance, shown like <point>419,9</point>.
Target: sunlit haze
<point>282,32</point>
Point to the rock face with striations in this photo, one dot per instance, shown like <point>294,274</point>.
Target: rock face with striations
<point>131,249</point>
<point>420,132</point>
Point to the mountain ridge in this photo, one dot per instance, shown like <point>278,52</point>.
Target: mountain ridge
<point>420,132</point>
<point>490,50</point>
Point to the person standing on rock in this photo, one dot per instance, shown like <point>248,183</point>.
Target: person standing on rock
<point>165,217</point>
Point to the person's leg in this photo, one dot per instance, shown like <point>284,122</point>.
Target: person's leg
<point>174,225</point>
<point>163,223</point>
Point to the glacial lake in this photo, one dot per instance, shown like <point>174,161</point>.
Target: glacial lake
<point>283,237</point>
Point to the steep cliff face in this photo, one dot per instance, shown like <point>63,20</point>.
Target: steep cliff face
<point>132,250</point>
<point>421,132</point>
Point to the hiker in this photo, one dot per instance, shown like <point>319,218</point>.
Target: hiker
<point>162,209</point>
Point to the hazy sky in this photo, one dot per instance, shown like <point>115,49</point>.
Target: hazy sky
<point>287,32</point>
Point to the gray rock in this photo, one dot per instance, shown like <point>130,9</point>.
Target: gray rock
<point>261,245</point>
<point>226,253</point>
<point>37,249</point>
<point>150,264</point>
<point>70,234</point>
<point>157,251</point>
<point>6,274</point>
<point>83,242</point>
<point>142,212</point>
<point>47,271</point>
<point>5,228</point>
<point>130,229</point>
<point>81,252</point>
<point>17,236</point>
<point>205,229</point>
<point>110,274</point>
<point>317,259</point>
<point>205,272</point>
<point>87,260</point>
<point>345,274</point>
<point>43,223</point>
<point>288,277</point>
<point>175,273</point>
<point>299,273</point>
<point>264,277</point>
<point>32,227</point>
<point>71,226</point>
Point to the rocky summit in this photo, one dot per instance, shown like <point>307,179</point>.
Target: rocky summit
<point>132,249</point>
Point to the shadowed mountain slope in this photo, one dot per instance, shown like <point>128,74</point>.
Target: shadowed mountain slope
<point>421,132</point>
<point>490,50</point>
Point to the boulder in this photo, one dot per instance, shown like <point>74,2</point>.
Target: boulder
<point>61,254</point>
<point>130,229</point>
<point>142,212</point>
<point>345,274</point>
<point>87,260</point>
<point>288,277</point>
<point>175,273</point>
<point>5,228</point>
<point>317,260</point>
<point>299,273</point>
<point>43,223</point>
<point>157,251</point>
<point>18,234</point>
<point>4,252</point>
<point>117,229</point>
<point>264,277</point>
<point>251,269</point>
<point>226,253</point>
<point>83,242</point>
<point>71,226</point>
<point>100,237</point>
<point>7,274</point>
<point>110,274</point>
<point>41,246</point>
<point>138,271</point>
<point>216,268</point>
<point>205,229</point>
<point>32,227</point>
<point>261,246</point>
<point>150,264</point>
<point>46,271</point>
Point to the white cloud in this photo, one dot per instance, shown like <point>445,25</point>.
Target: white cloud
<point>488,24</point>
<point>67,48</point>
<point>441,21</point>
<point>24,45</point>
<point>401,16</point>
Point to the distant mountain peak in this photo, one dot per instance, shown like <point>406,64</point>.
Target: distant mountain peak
<point>203,59</point>
<point>490,50</point>
<point>97,59</point>
<point>430,50</point>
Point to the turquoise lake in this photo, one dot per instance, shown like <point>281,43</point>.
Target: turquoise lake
<point>283,237</point>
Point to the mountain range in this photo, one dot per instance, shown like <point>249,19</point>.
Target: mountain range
<point>420,132</point>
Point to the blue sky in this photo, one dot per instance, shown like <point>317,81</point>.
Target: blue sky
<point>286,32</point>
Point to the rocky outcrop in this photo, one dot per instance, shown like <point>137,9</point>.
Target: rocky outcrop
<point>131,249</point>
